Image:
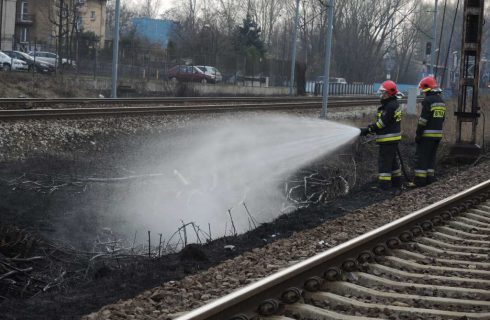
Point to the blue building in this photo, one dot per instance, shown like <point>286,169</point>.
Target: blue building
<point>155,30</point>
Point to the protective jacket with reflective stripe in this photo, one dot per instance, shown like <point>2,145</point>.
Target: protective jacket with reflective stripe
<point>432,117</point>
<point>388,118</point>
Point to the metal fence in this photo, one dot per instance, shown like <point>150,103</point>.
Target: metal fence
<point>316,88</point>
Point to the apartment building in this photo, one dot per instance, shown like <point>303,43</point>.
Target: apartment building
<point>33,23</point>
<point>92,17</point>
<point>7,23</point>
<point>37,21</point>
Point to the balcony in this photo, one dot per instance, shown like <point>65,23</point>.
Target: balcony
<point>25,19</point>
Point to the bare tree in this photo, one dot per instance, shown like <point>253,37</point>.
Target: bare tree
<point>125,20</point>
<point>362,31</point>
<point>64,19</point>
<point>267,13</point>
<point>150,8</point>
<point>191,19</point>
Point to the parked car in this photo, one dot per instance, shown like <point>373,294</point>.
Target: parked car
<point>189,74</point>
<point>331,80</point>
<point>7,63</point>
<point>51,58</point>
<point>212,72</point>
<point>37,65</point>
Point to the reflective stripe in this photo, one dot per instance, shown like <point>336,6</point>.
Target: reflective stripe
<point>432,134</point>
<point>431,172</point>
<point>426,90</point>
<point>421,173</point>
<point>440,108</point>
<point>437,106</point>
<point>396,173</point>
<point>390,137</point>
<point>423,121</point>
<point>380,124</point>
<point>384,178</point>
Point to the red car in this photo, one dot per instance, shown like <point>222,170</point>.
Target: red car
<point>189,74</point>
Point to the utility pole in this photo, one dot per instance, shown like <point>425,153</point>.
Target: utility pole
<point>293,54</point>
<point>434,41</point>
<point>328,50</point>
<point>60,33</point>
<point>1,23</point>
<point>115,50</point>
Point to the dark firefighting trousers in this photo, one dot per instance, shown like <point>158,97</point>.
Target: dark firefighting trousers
<point>425,161</point>
<point>389,167</point>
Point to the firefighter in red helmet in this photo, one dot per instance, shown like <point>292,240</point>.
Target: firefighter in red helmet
<point>429,131</point>
<point>388,134</point>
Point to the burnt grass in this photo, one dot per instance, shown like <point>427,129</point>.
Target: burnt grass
<point>107,283</point>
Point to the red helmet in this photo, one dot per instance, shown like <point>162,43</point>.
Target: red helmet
<point>428,84</point>
<point>388,87</point>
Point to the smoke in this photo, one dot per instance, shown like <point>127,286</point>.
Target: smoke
<point>210,171</point>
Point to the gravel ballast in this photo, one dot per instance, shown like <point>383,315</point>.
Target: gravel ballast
<point>175,297</point>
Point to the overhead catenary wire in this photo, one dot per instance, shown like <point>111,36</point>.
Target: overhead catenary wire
<point>449,44</point>
<point>440,36</point>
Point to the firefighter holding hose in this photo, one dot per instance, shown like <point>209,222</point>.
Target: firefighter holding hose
<point>388,134</point>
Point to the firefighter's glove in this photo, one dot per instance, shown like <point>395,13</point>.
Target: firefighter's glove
<point>418,139</point>
<point>364,132</point>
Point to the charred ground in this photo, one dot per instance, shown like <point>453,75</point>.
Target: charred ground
<point>66,282</point>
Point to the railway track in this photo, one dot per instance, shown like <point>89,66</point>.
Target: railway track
<point>431,264</point>
<point>15,103</point>
<point>149,107</point>
<point>76,107</point>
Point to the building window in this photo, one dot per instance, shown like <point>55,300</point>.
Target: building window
<point>92,16</point>
<point>23,35</point>
<point>24,10</point>
<point>79,24</point>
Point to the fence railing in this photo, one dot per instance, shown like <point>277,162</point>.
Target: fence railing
<point>316,88</point>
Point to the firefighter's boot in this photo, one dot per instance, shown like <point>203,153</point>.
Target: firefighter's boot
<point>431,178</point>
<point>396,183</point>
<point>420,178</point>
<point>420,181</point>
<point>384,184</point>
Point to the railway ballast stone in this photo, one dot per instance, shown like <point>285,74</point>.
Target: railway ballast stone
<point>21,139</point>
<point>198,289</point>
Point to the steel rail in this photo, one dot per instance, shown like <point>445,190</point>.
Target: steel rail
<point>176,109</point>
<point>33,102</point>
<point>243,303</point>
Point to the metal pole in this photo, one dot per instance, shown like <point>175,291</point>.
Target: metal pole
<point>115,50</point>
<point>434,41</point>
<point>1,24</point>
<point>293,54</point>
<point>328,50</point>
